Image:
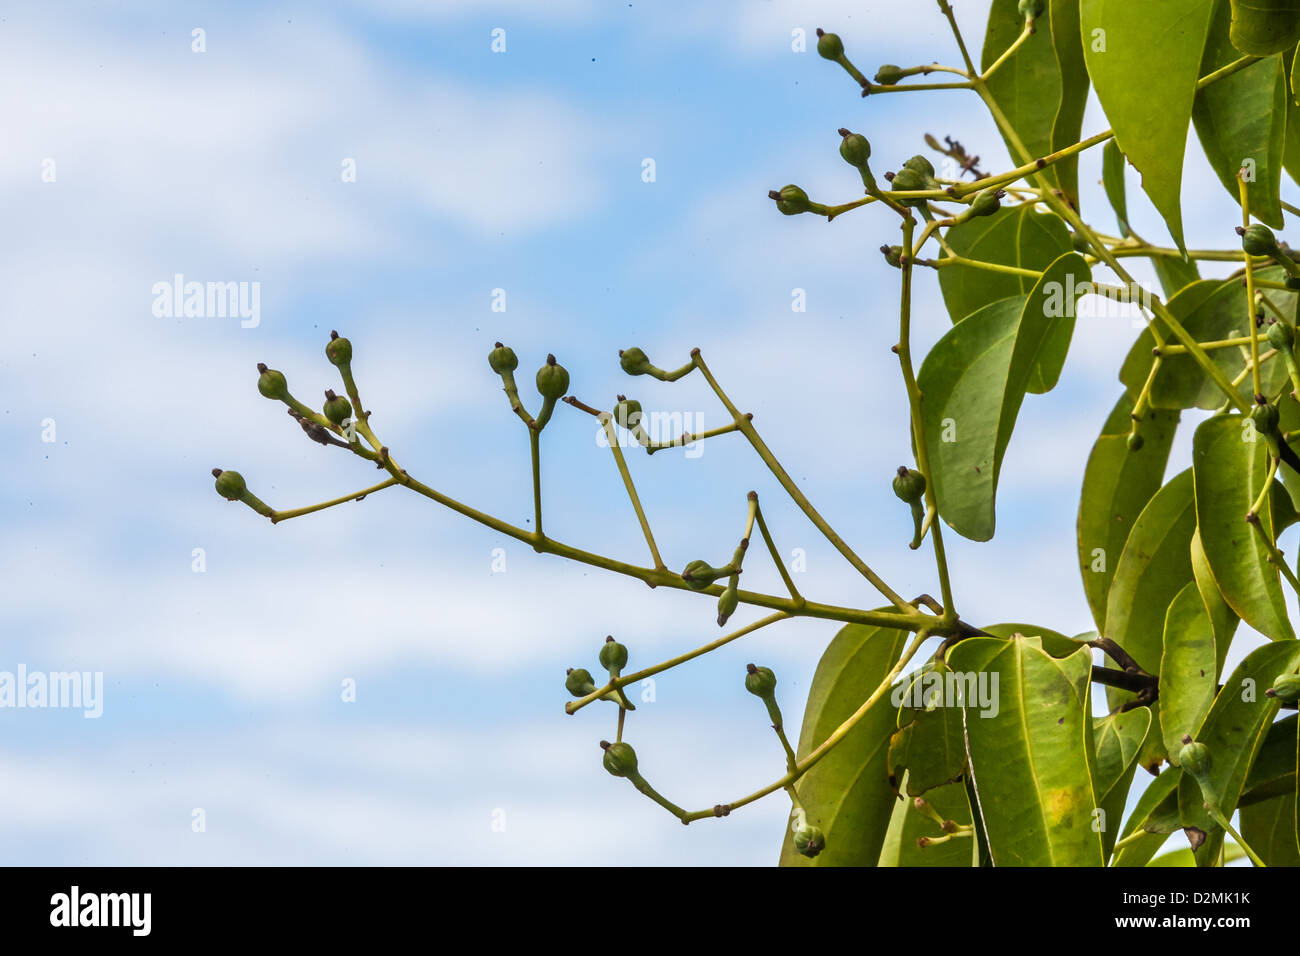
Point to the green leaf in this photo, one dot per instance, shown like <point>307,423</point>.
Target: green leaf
<point>1234,732</point>
<point>1117,484</point>
<point>1270,829</point>
<point>1055,643</point>
<point>1188,677</point>
<point>1118,739</point>
<point>1229,474</point>
<point>1155,815</point>
<point>1112,179</point>
<point>1018,236</point>
<point>1262,27</point>
<point>1223,619</point>
<point>1185,857</point>
<point>1030,763</point>
<point>1291,154</point>
<point>908,824</point>
<point>1155,565</point>
<point>1242,119</point>
<point>847,792</point>
<point>1209,310</point>
<point>1273,774</point>
<point>1042,87</point>
<point>1144,65</point>
<point>974,381</point>
<point>930,745</point>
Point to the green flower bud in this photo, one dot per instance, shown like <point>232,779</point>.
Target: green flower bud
<point>830,46</point>
<point>909,180</point>
<point>1032,8</point>
<point>728,601</point>
<point>613,655</point>
<point>339,351</point>
<point>791,200</point>
<point>230,484</point>
<point>1281,336</point>
<point>809,840</point>
<point>502,359</point>
<point>1080,243</point>
<point>1258,240</point>
<point>578,682</point>
<point>1266,418</point>
<point>1286,688</point>
<point>337,408</point>
<point>1135,441</point>
<point>272,383</point>
<point>909,485</point>
<point>620,758</point>
<point>920,164</point>
<point>634,361</point>
<point>893,255</point>
<point>987,202</point>
<point>552,380</point>
<point>1194,757</point>
<point>855,148</point>
<point>888,75</point>
<point>700,574</point>
<point>760,681</point>
<point>627,412</point>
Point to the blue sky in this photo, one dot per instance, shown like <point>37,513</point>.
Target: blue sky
<point>476,171</point>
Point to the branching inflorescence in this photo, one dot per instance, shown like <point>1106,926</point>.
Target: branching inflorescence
<point>926,207</point>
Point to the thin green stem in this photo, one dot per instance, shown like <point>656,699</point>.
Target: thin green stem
<point>279,516</point>
<point>1256,386</point>
<point>573,706</point>
<point>904,351</point>
<point>534,443</point>
<point>776,558</point>
<point>1008,53</point>
<point>747,429</point>
<point>607,422</point>
<point>826,746</point>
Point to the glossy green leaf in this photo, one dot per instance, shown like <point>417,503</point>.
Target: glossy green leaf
<point>1229,474</point>
<point>1262,27</point>
<point>1223,619</point>
<point>930,742</point>
<point>1117,740</point>
<point>1155,815</point>
<point>974,381</point>
<point>1270,829</point>
<point>1117,484</point>
<point>1029,762</point>
<point>1241,121</point>
<point>908,824</point>
<point>1291,154</point>
<point>1055,643</point>
<point>1188,677</point>
<point>1155,565</point>
<point>1273,774</point>
<point>1042,87</point>
<point>847,792</point>
<point>1019,236</point>
<point>1234,731</point>
<point>1144,65</point>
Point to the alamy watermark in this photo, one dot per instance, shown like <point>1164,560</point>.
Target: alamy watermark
<point>208,300</point>
<point>64,690</point>
<point>975,690</point>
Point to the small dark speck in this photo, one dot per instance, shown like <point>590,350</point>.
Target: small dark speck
<point>1061,721</point>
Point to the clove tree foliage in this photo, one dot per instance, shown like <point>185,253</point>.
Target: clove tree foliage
<point>987,752</point>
